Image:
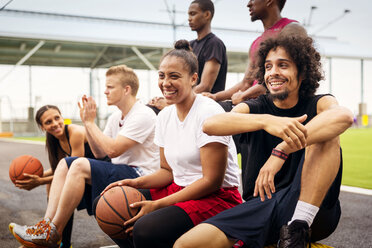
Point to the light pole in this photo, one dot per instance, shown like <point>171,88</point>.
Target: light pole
<point>346,11</point>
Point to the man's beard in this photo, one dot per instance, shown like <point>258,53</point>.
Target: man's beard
<point>254,18</point>
<point>280,96</point>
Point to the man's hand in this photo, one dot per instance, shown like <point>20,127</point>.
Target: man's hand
<point>30,182</point>
<point>210,95</point>
<point>290,130</point>
<point>158,102</point>
<point>237,97</point>
<point>88,109</point>
<point>265,180</point>
<point>81,106</point>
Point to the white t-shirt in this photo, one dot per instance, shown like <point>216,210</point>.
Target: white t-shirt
<point>138,125</point>
<point>182,142</point>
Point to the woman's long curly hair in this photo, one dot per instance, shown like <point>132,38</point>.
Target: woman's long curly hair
<point>303,53</point>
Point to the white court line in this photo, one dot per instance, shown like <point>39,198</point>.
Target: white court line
<point>356,190</point>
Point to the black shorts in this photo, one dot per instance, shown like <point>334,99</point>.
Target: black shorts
<point>258,223</point>
<point>102,174</point>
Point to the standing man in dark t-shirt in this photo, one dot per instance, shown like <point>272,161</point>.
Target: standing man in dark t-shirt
<point>292,178</point>
<point>208,48</point>
<point>211,54</point>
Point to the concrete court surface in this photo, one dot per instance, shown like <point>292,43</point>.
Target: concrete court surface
<point>27,207</point>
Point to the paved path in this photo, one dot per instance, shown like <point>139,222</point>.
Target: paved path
<point>28,207</point>
<point>23,207</point>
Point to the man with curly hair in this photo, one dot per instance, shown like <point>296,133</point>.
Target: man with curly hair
<point>292,178</point>
<point>269,13</point>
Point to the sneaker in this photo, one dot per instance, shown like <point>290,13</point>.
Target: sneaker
<point>296,235</point>
<point>19,232</point>
<point>11,226</point>
<point>63,246</point>
<point>43,234</point>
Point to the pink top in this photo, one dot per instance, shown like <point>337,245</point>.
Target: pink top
<point>274,29</point>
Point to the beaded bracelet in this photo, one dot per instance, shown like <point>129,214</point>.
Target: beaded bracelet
<point>278,153</point>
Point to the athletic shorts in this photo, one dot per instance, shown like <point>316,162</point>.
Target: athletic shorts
<point>258,223</point>
<point>204,208</point>
<point>102,174</point>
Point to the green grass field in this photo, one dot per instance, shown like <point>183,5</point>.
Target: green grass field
<point>356,145</point>
<point>42,138</point>
<point>357,156</point>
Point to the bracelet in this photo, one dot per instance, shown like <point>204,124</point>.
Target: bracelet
<point>278,153</point>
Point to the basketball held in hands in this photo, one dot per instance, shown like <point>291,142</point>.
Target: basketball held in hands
<point>113,210</point>
<point>25,164</point>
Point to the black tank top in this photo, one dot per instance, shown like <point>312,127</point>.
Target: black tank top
<point>87,151</point>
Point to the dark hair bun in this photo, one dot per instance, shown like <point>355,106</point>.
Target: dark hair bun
<point>182,44</point>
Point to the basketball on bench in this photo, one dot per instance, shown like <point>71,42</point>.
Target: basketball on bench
<point>113,210</point>
<point>25,164</point>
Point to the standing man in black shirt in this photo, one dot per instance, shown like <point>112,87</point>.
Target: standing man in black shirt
<point>208,48</point>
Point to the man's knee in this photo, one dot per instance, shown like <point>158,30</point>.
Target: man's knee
<point>80,166</point>
<point>204,235</point>
<point>332,145</point>
<point>182,243</point>
<point>62,165</point>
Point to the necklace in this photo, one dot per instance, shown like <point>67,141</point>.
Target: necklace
<point>121,123</point>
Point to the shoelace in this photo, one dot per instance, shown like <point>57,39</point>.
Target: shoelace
<point>305,236</point>
<point>40,228</point>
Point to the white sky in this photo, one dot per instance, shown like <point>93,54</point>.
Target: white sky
<point>353,27</point>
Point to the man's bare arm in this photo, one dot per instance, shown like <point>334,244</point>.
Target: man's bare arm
<point>331,121</point>
<point>208,77</point>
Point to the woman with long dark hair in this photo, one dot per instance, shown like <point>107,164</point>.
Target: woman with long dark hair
<point>61,141</point>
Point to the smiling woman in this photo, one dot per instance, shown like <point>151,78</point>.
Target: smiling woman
<point>61,141</point>
<point>198,177</point>
<point>177,75</point>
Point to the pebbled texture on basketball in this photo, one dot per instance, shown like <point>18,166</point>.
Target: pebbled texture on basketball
<point>25,164</point>
<point>113,210</point>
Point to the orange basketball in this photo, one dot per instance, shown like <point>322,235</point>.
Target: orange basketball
<point>25,164</point>
<point>113,210</point>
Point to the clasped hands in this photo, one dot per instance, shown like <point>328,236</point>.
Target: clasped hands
<point>294,135</point>
<point>88,109</point>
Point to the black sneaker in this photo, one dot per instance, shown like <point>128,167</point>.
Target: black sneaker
<point>296,235</point>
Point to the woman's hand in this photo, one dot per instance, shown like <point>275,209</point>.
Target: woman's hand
<point>126,182</point>
<point>30,182</point>
<point>146,207</point>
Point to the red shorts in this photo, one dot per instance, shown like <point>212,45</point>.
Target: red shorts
<point>204,208</point>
